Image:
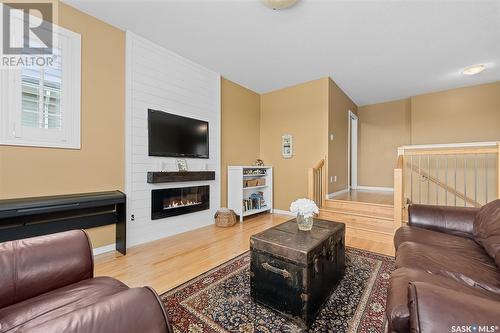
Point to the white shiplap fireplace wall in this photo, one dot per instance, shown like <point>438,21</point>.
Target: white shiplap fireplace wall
<point>162,80</point>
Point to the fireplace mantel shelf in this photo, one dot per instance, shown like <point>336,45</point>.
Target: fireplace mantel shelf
<point>155,177</point>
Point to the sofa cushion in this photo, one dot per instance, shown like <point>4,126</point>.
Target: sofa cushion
<point>487,229</point>
<point>436,309</point>
<point>58,302</point>
<point>465,246</point>
<point>135,310</point>
<point>32,266</point>
<point>458,221</point>
<point>478,271</point>
<point>397,310</point>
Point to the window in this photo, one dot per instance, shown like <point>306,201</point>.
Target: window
<point>41,97</point>
<point>40,106</point>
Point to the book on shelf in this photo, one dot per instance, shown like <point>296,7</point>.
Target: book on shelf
<point>255,201</point>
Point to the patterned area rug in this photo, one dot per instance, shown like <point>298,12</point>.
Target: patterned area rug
<point>219,300</point>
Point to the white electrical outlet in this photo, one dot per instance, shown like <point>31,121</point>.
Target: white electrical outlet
<point>331,179</point>
<point>331,137</point>
<point>334,179</point>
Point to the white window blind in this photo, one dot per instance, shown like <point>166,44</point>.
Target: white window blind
<point>40,106</point>
<point>41,96</point>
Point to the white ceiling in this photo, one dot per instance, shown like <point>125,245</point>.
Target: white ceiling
<point>375,50</point>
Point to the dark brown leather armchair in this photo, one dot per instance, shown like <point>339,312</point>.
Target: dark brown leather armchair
<point>447,270</point>
<point>47,285</point>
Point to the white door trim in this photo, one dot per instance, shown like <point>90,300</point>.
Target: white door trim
<point>352,151</point>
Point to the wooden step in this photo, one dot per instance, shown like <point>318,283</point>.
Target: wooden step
<point>372,241</point>
<point>361,221</point>
<point>371,209</point>
<point>362,214</point>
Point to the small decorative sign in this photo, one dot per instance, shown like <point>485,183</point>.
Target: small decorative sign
<point>287,146</point>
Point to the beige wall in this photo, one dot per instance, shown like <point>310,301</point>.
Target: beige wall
<point>339,105</point>
<point>301,111</point>
<point>99,164</point>
<point>458,115</point>
<point>382,129</point>
<point>240,129</point>
<point>308,111</point>
<point>468,114</point>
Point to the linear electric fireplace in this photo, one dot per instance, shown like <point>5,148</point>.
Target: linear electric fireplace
<point>178,201</point>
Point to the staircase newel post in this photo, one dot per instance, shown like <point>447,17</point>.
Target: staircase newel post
<point>498,170</point>
<point>398,193</point>
<point>310,183</point>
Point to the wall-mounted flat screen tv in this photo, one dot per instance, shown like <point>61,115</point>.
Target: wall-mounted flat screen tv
<point>176,136</point>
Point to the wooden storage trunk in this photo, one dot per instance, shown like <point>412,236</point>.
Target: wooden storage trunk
<point>293,271</point>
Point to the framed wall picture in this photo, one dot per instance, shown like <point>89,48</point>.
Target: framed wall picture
<point>287,146</point>
<point>182,164</point>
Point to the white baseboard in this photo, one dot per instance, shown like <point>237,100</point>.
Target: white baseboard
<point>104,249</point>
<point>331,195</point>
<point>375,188</point>
<point>283,212</point>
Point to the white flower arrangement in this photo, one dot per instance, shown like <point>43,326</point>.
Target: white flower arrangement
<point>305,207</point>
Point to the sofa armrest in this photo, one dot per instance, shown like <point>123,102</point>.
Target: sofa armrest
<point>438,309</point>
<point>132,310</point>
<point>451,220</point>
<point>33,266</point>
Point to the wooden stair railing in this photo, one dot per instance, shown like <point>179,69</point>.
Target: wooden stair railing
<point>317,186</point>
<point>448,188</point>
<point>488,153</point>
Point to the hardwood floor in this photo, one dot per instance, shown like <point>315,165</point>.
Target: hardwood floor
<point>169,262</point>
<point>376,197</point>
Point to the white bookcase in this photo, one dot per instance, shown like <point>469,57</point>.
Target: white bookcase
<point>238,191</point>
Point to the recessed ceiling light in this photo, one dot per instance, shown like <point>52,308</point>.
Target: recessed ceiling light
<point>474,69</point>
<point>279,4</point>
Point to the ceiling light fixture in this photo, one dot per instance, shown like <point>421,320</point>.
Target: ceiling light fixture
<point>279,4</point>
<point>474,69</point>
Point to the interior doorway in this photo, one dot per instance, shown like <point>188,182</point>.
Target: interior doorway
<point>353,150</point>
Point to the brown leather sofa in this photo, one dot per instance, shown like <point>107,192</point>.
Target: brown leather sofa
<point>47,285</point>
<point>447,276</point>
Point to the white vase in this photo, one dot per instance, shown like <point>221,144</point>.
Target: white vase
<point>304,223</point>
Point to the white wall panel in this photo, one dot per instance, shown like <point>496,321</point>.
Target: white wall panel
<point>160,79</point>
